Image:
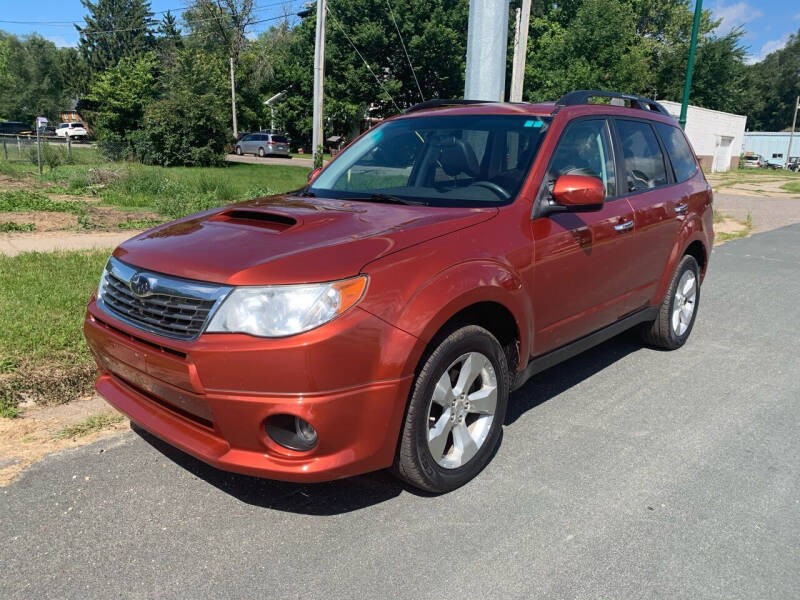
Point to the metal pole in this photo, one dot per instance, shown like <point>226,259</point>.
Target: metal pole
<point>791,135</point>
<point>69,148</point>
<point>520,50</point>
<point>698,9</point>
<point>233,102</point>
<point>487,38</point>
<point>38,147</point>
<point>5,149</point>
<point>319,81</point>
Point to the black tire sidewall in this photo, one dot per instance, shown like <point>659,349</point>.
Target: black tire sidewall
<point>459,343</point>
<point>687,263</point>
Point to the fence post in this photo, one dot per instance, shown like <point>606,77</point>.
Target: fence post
<point>5,148</point>
<point>39,147</point>
<point>19,147</point>
<point>69,148</point>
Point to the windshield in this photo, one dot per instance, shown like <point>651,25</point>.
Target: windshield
<point>470,160</point>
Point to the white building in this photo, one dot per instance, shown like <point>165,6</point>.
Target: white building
<point>716,136</point>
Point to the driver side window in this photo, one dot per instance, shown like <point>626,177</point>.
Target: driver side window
<point>585,149</point>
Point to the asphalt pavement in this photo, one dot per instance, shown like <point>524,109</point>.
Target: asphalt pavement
<point>624,473</point>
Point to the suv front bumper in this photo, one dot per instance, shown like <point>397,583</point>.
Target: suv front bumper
<point>211,397</point>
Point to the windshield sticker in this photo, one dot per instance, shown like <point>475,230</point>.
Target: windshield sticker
<point>532,123</point>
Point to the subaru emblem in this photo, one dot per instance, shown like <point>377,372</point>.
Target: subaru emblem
<point>140,285</point>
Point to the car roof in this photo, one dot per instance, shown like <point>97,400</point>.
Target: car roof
<point>541,109</point>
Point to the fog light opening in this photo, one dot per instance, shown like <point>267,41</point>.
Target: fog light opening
<point>305,431</point>
<point>292,432</point>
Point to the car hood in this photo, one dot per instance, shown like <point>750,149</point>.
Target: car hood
<point>289,239</point>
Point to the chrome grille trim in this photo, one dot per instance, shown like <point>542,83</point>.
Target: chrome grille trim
<point>172,307</point>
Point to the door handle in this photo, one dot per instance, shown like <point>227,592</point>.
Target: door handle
<point>623,227</point>
<point>681,208</point>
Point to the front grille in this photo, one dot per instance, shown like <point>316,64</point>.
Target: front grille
<point>174,308</point>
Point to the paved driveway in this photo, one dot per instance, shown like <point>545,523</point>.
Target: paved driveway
<point>624,473</point>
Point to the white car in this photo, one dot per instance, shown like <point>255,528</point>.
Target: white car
<point>71,130</point>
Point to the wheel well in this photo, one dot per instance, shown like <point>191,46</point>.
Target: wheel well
<point>698,251</point>
<point>492,316</point>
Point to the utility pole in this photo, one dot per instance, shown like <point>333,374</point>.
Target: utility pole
<point>319,80</point>
<point>233,102</point>
<point>791,135</point>
<point>687,85</point>
<point>520,50</point>
<point>487,37</point>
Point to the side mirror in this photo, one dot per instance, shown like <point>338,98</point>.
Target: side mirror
<point>313,174</point>
<point>579,193</point>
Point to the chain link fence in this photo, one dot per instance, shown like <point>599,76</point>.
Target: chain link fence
<point>54,150</point>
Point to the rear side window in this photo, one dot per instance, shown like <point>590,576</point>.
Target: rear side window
<point>679,152</point>
<point>279,139</point>
<point>644,162</point>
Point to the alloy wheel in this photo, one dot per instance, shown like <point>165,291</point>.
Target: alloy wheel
<point>461,410</point>
<point>684,303</point>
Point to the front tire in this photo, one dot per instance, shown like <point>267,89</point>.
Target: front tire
<point>238,150</point>
<point>455,413</point>
<point>678,310</point>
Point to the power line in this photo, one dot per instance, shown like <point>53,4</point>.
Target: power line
<point>402,43</point>
<point>160,12</point>
<point>113,31</point>
<point>347,37</point>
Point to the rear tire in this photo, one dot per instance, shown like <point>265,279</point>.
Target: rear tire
<point>261,152</point>
<point>455,412</point>
<point>678,310</point>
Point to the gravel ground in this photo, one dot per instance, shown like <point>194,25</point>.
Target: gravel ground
<point>768,213</point>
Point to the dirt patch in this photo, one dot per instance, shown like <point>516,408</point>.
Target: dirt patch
<point>46,384</point>
<point>730,229</point>
<point>36,433</point>
<point>9,183</point>
<point>43,221</point>
<point>110,218</point>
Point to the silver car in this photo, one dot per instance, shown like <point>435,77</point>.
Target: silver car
<point>263,144</point>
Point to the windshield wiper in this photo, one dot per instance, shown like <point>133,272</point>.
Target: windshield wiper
<point>385,199</point>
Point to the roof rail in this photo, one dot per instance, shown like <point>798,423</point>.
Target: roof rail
<point>438,102</point>
<point>582,97</point>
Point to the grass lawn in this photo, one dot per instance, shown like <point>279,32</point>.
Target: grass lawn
<point>792,186</point>
<point>42,352</point>
<point>171,191</point>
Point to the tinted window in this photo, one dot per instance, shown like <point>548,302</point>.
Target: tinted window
<point>585,149</point>
<point>679,152</point>
<point>469,160</point>
<point>247,138</point>
<point>644,163</point>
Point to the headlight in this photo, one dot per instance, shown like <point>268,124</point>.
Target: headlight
<point>101,288</point>
<point>281,310</point>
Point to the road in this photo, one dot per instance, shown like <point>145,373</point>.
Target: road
<point>271,160</point>
<point>624,473</point>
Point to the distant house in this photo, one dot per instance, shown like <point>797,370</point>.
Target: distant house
<point>717,137</point>
<point>71,115</point>
<point>772,145</point>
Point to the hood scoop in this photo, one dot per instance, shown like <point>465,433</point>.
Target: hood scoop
<point>257,218</point>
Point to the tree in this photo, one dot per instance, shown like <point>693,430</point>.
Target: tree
<point>35,80</point>
<point>188,124</point>
<point>599,48</point>
<point>221,25</point>
<point>120,94</point>
<point>114,29</point>
<point>434,32</point>
<point>773,85</point>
